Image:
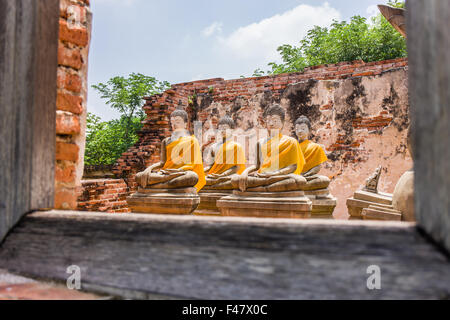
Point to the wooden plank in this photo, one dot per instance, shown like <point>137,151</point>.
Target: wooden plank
<point>228,258</point>
<point>429,67</point>
<point>7,56</point>
<point>44,105</point>
<point>28,64</point>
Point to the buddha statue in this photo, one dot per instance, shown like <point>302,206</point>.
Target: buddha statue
<point>273,186</point>
<point>316,187</point>
<point>314,155</point>
<point>229,158</point>
<point>171,185</point>
<point>279,161</point>
<point>181,164</point>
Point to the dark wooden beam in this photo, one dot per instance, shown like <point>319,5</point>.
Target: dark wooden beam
<point>228,258</point>
<point>28,67</point>
<point>429,76</point>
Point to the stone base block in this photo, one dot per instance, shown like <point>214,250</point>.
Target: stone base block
<point>164,201</point>
<point>381,213</point>
<point>364,199</point>
<point>208,202</point>
<point>323,203</point>
<point>266,205</point>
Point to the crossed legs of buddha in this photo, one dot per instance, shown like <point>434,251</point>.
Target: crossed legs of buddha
<point>159,180</point>
<point>316,182</point>
<point>284,183</point>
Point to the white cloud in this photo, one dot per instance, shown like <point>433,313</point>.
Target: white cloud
<point>372,11</point>
<point>216,27</point>
<point>257,43</point>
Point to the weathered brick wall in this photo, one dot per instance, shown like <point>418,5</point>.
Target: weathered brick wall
<point>104,195</point>
<point>74,38</point>
<point>359,113</point>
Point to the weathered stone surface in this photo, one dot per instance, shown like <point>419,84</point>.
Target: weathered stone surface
<point>378,213</point>
<point>383,198</point>
<point>266,205</point>
<point>403,197</point>
<point>190,257</point>
<point>429,51</point>
<point>164,201</point>
<point>323,203</point>
<point>364,199</point>
<point>208,202</point>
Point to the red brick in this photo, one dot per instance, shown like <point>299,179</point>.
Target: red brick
<point>41,291</point>
<point>70,103</point>
<point>76,35</point>
<point>363,74</point>
<point>65,199</point>
<point>80,10</point>
<point>67,123</point>
<point>69,57</point>
<point>71,82</point>
<point>65,174</point>
<point>67,151</point>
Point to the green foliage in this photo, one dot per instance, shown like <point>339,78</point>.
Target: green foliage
<point>125,94</point>
<point>343,41</point>
<point>106,141</point>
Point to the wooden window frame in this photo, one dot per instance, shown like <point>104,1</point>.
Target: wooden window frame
<point>158,256</point>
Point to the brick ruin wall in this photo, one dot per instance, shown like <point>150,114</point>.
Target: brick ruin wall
<point>104,195</point>
<point>74,37</point>
<point>359,113</point>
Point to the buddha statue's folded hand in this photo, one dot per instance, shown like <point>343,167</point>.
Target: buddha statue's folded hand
<point>243,182</point>
<point>172,171</point>
<point>265,175</point>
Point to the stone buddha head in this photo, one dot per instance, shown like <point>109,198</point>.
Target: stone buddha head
<point>225,127</point>
<point>274,118</point>
<point>303,128</point>
<point>179,120</point>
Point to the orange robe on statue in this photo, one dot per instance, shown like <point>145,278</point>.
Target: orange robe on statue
<point>185,154</point>
<point>313,153</point>
<point>281,152</point>
<point>230,154</point>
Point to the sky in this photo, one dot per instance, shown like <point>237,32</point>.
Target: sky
<point>179,41</point>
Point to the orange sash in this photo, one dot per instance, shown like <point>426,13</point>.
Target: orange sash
<point>185,154</point>
<point>281,152</point>
<point>313,153</point>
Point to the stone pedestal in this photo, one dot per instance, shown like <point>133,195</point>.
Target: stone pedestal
<point>266,205</point>
<point>208,202</point>
<point>164,201</point>
<point>377,212</point>
<point>403,198</point>
<point>367,205</point>
<point>323,203</point>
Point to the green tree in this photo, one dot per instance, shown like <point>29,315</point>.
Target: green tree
<point>106,141</point>
<point>125,95</point>
<point>343,41</point>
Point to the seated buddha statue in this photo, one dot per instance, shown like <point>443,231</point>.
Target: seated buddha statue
<point>181,164</point>
<point>314,156</point>
<point>229,158</point>
<point>279,162</point>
